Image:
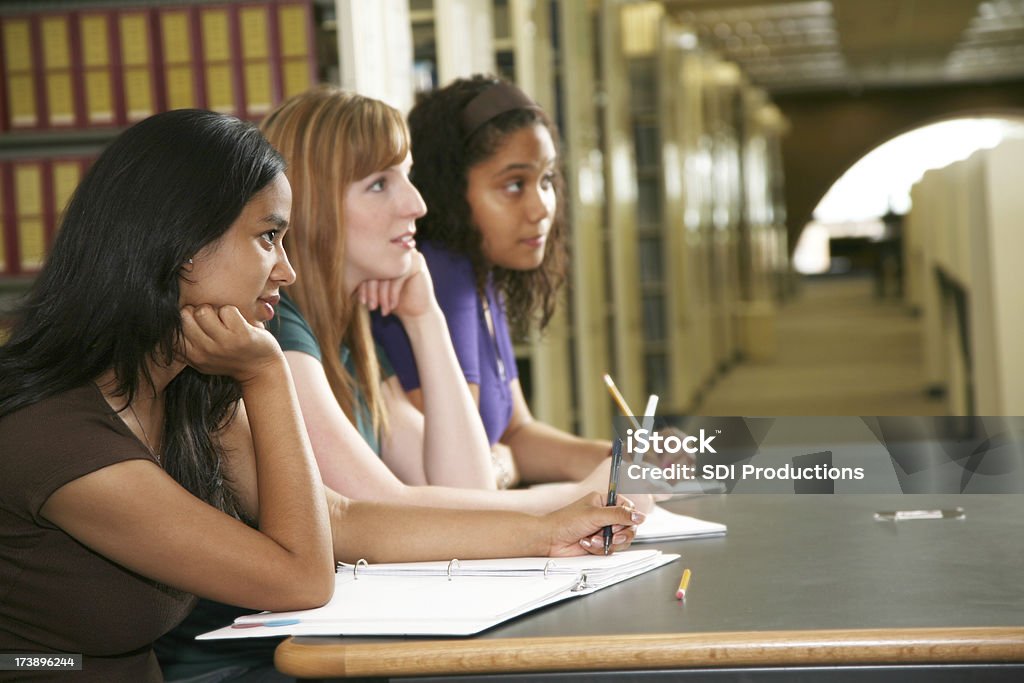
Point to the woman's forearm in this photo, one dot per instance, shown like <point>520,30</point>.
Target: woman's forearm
<point>531,500</point>
<point>455,447</point>
<point>544,453</point>
<point>383,532</point>
<point>291,509</point>
<point>378,532</point>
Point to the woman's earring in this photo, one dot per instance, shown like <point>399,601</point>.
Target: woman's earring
<point>187,266</point>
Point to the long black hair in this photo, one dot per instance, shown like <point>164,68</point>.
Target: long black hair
<point>108,295</point>
<point>442,158</point>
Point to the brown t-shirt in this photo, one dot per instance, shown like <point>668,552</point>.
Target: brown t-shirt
<point>56,595</point>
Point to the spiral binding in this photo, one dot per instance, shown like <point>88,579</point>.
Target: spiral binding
<point>454,564</point>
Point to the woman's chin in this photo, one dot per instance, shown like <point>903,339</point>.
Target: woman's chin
<point>524,265</point>
<point>384,274</point>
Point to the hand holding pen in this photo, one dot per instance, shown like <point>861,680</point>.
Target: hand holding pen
<point>613,485</point>
<point>575,529</point>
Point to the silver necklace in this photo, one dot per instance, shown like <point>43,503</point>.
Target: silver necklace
<point>494,338</point>
<point>149,444</point>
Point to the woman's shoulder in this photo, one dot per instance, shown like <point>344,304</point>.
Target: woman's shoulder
<point>452,274</point>
<point>291,330</point>
<point>77,418</point>
<point>287,313</point>
<point>442,257</point>
<point>59,410</point>
<point>58,439</point>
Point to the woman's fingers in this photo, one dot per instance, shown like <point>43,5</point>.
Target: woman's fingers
<point>578,525</point>
<point>622,537</point>
<point>381,294</point>
<point>394,290</point>
<point>368,293</point>
<point>409,294</point>
<point>219,341</point>
<point>387,295</point>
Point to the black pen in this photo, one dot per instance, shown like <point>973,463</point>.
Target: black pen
<point>613,485</point>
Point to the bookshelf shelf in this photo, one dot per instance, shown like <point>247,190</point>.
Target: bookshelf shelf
<point>74,74</point>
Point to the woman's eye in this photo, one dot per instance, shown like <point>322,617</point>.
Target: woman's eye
<point>377,186</point>
<point>270,236</point>
<point>548,180</point>
<point>514,186</point>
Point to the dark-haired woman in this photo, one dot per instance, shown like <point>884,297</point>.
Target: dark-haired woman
<point>120,418</point>
<point>151,445</point>
<point>485,160</point>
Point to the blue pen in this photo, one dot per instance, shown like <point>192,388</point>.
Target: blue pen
<point>613,485</point>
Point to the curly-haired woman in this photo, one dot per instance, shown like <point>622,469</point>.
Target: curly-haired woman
<point>486,163</point>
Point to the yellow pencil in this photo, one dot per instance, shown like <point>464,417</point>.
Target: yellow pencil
<point>619,401</point>
<point>683,583</point>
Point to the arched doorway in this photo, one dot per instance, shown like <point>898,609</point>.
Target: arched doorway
<point>850,216</point>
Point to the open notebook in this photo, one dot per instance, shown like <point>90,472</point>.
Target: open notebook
<point>663,525</point>
<point>445,598</point>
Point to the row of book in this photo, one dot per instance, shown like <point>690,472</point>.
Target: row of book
<point>99,67</point>
<point>33,194</point>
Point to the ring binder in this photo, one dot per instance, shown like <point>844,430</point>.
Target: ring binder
<point>423,598</point>
<point>355,567</point>
<point>453,564</point>
<point>451,568</point>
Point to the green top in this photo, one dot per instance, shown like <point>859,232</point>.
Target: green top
<point>294,334</point>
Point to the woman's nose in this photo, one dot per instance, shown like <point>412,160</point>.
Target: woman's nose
<point>541,205</point>
<point>416,207</point>
<point>283,271</point>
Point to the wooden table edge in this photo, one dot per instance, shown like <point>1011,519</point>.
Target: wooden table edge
<point>653,651</point>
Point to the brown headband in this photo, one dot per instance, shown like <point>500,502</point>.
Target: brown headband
<point>494,101</point>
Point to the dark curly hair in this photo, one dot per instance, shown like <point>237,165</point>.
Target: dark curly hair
<point>442,159</point>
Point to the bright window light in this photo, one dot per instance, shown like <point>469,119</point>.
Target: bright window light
<point>882,179</point>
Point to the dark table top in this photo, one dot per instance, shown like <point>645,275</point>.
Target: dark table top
<point>792,563</point>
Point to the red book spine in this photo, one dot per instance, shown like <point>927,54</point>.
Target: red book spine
<point>261,85</point>
<point>100,69</point>
<point>293,43</point>
<point>22,78</point>
<point>220,58</point>
<point>136,57</point>
<point>57,37</point>
<point>30,208</point>
<point>178,38</point>
<point>5,115</point>
<point>65,174</point>
<point>8,241</point>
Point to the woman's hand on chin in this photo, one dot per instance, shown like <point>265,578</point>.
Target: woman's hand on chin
<point>217,340</point>
<point>409,295</point>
